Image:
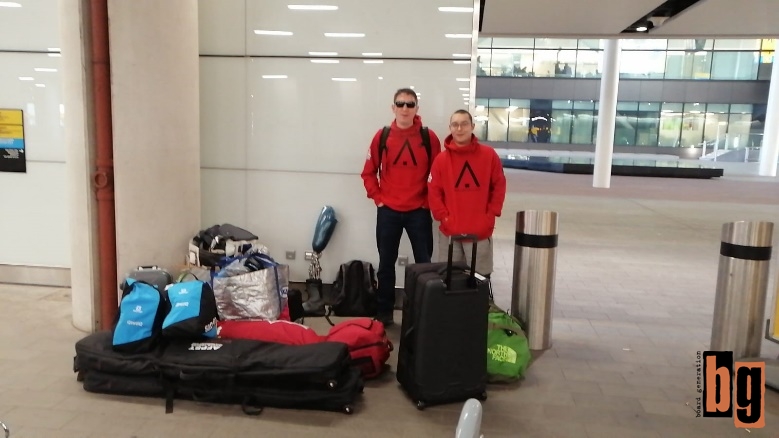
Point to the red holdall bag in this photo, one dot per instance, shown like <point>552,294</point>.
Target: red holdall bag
<point>368,344</point>
<point>279,331</point>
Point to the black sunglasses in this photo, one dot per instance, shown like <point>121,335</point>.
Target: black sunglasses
<point>400,104</point>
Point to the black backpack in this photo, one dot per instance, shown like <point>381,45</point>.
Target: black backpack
<point>354,290</point>
<point>423,131</point>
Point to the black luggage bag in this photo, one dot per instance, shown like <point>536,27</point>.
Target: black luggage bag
<point>251,373</point>
<point>443,345</point>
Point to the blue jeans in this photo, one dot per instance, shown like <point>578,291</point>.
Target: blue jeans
<point>389,229</point>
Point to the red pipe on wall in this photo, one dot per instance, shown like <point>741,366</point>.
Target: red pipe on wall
<point>103,177</point>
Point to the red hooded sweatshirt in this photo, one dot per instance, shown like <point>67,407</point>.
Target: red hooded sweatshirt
<point>467,188</point>
<point>404,166</point>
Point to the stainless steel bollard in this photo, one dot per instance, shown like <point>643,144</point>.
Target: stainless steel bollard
<point>742,286</point>
<point>532,290</point>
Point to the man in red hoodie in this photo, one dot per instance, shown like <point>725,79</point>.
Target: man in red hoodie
<point>400,193</point>
<point>467,188</point>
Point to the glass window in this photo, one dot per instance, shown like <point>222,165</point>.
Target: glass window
<point>588,63</point>
<point>519,118</point>
<point>693,124</point>
<point>716,126</point>
<point>688,65</point>
<point>497,123</point>
<point>647,123</point>
<point>691,44</point>
<point>561,121</point>
<point>642,64</point>
<point>511,62</point>
<point>480,119</point>
<point>582,122</point>
<point>554,63</point>
<point>735,65</point>
<point>644,44</point>
<point>739,126</point>
<point>670,124</point>
<point>590,44</point>
<point>483,59</point>
<point>484,43</point>
<point>512,43</point>
<point>553,43</point>
<point>626,123</point>
<point>734,44</point>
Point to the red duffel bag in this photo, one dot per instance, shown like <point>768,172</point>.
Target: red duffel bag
<point>280,331</point>
<point>367,341</point>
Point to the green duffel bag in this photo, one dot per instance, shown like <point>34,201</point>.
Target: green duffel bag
<point>508,353</point>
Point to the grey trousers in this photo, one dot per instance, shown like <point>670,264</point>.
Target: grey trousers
<point>463,250</point>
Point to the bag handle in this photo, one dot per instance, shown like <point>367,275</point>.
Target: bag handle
<point>462,237</point>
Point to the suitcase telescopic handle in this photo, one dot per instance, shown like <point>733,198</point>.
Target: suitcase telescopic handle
<point>461,237</point>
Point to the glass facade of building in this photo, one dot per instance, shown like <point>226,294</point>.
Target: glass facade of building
<point>665,124</point>
<point>659,123</point>
<point>712,59</point>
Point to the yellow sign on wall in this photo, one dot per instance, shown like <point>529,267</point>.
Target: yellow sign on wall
<point>12,153</point>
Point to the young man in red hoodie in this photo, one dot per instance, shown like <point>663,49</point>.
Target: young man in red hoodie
<point>400,193</point>
<point>467,188</point>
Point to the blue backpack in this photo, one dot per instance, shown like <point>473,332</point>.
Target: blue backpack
<point>139,322</point>
<point>193,312</point>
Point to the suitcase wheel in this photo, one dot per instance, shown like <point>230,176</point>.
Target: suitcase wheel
<point>348,410</point>
<point>332,384</point>
<point>421,405</point>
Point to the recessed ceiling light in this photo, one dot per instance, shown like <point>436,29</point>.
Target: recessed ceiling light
<point>53,49</point>
<point>463,79</point>
<point>344,35</point>
<point>373,61</point>
<point>50,70</point>
<point>323,53</point>
<point>345,79</point>
<point>411,86</point>
<point>10,5</point>
<point>40,85</point>
<point>381,77</point>
<point>325,61</point>
<point>26,78</point>
<point>461,55</point>
<point>313,7</point>
<point>274,76</point>
<point>458,35</point>
<point>455,9</point>
<point>55,55</point>
<point>371,53</point>
<point>462,62</point>
<point>466,94</point>
<point>273,32</point>
<point>641,29</point>
<point>465,89</point>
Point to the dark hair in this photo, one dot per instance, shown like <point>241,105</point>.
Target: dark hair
<point>405,91</point>
<point>462,111</point>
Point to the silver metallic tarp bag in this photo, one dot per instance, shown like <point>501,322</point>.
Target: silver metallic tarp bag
<point>253,287</point>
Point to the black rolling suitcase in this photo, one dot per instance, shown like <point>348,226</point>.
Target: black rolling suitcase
<point>443,345</point>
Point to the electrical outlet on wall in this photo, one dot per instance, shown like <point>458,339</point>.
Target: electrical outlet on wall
<point>402,260</point>
<point>290,255</point>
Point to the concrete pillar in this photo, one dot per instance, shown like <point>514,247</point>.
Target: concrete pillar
<point>769,152</point>
<point>155,86</point>
<point>604,142</point>
<point>80,150</point>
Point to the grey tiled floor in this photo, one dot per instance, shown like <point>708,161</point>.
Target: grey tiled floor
<point>636,275</point>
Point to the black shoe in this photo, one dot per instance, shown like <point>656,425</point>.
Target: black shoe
<point>387,319</point>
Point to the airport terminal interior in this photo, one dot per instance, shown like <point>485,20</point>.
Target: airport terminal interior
<point>258,113</point>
